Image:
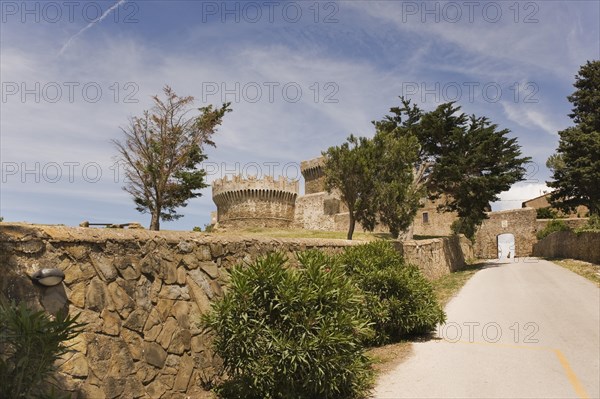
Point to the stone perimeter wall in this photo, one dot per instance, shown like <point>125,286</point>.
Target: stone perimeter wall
<point>142,293</point>
<point>566,244</point>
<point>519,222</point>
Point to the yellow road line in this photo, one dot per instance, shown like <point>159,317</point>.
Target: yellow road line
<point>571,376</point>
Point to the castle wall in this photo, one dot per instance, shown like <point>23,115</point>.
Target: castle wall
<point>318,211</point>
<point>142,294</point>
<point>519,222</point>
<point>252,202</point>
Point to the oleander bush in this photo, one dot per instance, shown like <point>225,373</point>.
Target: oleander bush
<point>400,301</point>
<point>30,342</point>
<point>291,332</point>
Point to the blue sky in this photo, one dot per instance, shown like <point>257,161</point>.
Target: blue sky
<point>301,77</point>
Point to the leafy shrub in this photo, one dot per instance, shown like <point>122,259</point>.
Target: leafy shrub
<point>546,213</point>
<point>30,343</point>
<point>399,300</point>
<point>197,229</point>
<point>209,228</point>
<point>291,332</point>
<point>593,224</point>
<point>552,226</point>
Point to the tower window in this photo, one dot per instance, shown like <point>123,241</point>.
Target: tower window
<point>425,217</point>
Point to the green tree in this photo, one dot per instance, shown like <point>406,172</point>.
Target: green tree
<point>397,195</point>
<point>161,153</point>
<point>576,165</point>
<point>465,158</point>
<point>348,168</point>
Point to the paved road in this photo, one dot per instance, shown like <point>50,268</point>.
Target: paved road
<point>521,329</point>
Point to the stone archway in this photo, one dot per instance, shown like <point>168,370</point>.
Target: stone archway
<point>519,222</point>
<point>506,245</point>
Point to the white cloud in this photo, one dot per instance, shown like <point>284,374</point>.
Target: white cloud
<point>519,193</point>
<point>527,116</point>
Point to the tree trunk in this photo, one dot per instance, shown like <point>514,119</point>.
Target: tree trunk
<point>409,233</point>
<point>155,221</point>
<point>351,226</point>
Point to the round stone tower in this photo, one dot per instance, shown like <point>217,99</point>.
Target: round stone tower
<point>314,178</point>
<point>253,202</point>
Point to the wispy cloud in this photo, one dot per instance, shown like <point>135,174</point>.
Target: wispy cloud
<point>526,116</point>
<point>88,26</point>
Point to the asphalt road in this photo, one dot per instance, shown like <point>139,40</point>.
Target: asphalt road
<point>521,329</point>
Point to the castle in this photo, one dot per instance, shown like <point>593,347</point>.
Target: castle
<point>276,203</point>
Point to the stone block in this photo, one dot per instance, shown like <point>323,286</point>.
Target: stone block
<point>185,372</point>
<point>174,292</point>
<point>111,324</point>
<point>156,389</point>
<point>136,320</point>
<point>76,366</point>
<point>96,296</point>
<point>180,342</point>
<point>201,281</point>
<point>122,301</point>
<point>190,261</point>
<point>210,268</point>
<point>104,266</point>
<point>203,252</point>
<point>185,247</point>
<point>154,354</point>
<point>153,326</point>
<point>167,333</point>
<point>180,310</point>
<point>77,295</point>
<point>134,343</point>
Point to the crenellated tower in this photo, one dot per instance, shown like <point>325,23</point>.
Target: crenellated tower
<point>252,202</point>
<point>314,177</point>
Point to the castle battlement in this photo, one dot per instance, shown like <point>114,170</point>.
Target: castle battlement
<point>312,168</point>
<point>252,185</point>
<point>314,175</point>
<point>244,202</point>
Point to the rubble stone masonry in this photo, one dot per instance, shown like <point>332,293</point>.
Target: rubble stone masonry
<point>142,294</point>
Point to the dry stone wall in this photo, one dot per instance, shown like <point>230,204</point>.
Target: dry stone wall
<point>142,293</point>
<point>566,244</point>
<point>437,257</point>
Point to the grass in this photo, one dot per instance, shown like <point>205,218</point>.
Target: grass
<point>585,269</point>
<point>446,287</point>
<point>385,358</point>
<point>282,233</point>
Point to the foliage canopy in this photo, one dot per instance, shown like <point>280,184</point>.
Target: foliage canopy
<point>161,152</point>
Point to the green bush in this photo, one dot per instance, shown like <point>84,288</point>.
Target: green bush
<point>546,213</point>
<point>291,333</point>
<point>593,224</point>
<point>30,343</point>
<point>552,226</point>
<point>399,300</point>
